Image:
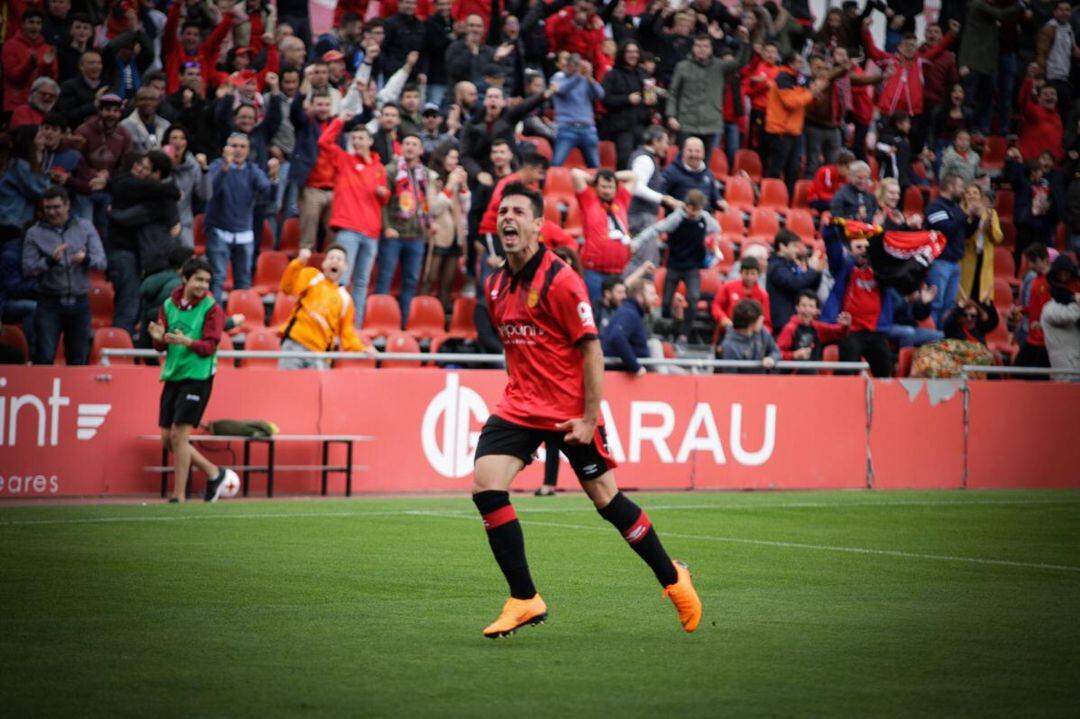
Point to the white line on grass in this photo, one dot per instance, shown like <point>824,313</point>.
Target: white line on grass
<point>800,545</point>
<point>586,508</point>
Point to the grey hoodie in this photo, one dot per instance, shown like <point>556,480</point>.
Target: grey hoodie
<point>63,278</point>
<point>757,346</point>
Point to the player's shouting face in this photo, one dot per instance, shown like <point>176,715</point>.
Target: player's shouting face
<point>335,264</point>
<point>519,226</point>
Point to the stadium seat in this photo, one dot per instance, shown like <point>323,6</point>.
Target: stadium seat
<point>711,280</point>
<point>283,307</point>
<point>830,353</point>
<point>316,260</point>
<point>1062,237</point>
<point>400,342</point>
<point>747,161</point>
<point>111,338</point>
<point>13,336</point>
<point>382,315</point>
<point>718,163</point>
<point>774,195</point>
<point>727,249</point>
<point>268,271</point>
<point>800,199</point>
<point>875,169</point>
<point>553,205</point>
<point>557,182</point>
<point>226,343</point>
<point>249,304</point>
<point>739,193</point>
<point>261,339</point>
<point>763,222</point>
<point>801,222</point>
<point>672,154</point>
<point>1000,342</point>
<point>1004,263</point>
<point>574,223</point>
<point>731,224</point>
<point>575,159</point>
<point>913,200</point>
<point>608,155</point>
<point>462,323</point>
<point>1003,294</point>
<point>1004,203</point>
<point>993,157</point>
<point>289,243</point>
<point>427,319</point>
<point>658,280</point>
<point>903,366</point>
<point>198,230</point>
<point>1008,235</point>
<point>767,240</point>
<point>101,306</point>
<point>543,147</point>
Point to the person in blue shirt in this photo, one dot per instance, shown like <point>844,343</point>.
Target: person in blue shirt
<point>626,335</point>
<point>575,92</point>
<point>947,217</point>
<point>236,185</point>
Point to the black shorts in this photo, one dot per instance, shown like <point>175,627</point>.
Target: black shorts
<point>590,461</point>
<point>184,402</point>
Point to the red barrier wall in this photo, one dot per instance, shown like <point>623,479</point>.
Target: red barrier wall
<point>73,431</point>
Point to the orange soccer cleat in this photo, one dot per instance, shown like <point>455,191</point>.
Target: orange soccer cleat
<point>683,595</point>
<point>517,613</point>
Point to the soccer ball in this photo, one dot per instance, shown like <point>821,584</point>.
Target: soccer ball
<point>230,486</point>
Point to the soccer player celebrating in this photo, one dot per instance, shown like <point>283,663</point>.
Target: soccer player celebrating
<point>188,330</point>
<point>541,310</point>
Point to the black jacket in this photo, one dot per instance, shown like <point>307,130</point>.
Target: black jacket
<point>129,191</point>
<point>438,34</point>
<point>77,101</point>
<point>620,82</point>
<point>461,64</point>
<point>784,280</point>
<point>476,137</point>
<point>404,33</point>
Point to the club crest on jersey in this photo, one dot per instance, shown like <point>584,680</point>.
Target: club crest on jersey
<point>534,297</point>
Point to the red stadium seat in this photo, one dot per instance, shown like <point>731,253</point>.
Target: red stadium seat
<point>13,336</point>
<point>574,223</point>
<point>198,230</point>
<point>875,169</point>
<point>401,342</point>
<point>763,222</point>
<point>249,304</point>
<point>283,307</point>
<point>718,163</point>
<point>261,339</point>
<point>747,161</point>
<point>289,242</point>
<point>608,155</point>
<point>1003,294</point>
<point>110,338</point>
<point>575,159</point>
<point>557,182</point>
<point>1004,263</point>
<point>766,240</point>
<point>913,200</point>
<point>711,280</point>
<point>382,315</point>
<point>427,319</point>
<point>774,195</point>
<point>101,306</point>
<point>727,249</point>
<point>903,366</point>
<point>994,154</point>
<point>1004,203</point>
<point>462,322</point>
<point>739,193</point>
<point>543,147</point>
<point>800,199</point>
<point>266,240</point>
<point>731,224</point>
<point>801,222</point>
<point>830,353</point>
<point>268,271</point>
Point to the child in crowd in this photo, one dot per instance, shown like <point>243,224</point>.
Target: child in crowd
<point>804,336</point>
<point>746,287</point>
<point>748,339</point>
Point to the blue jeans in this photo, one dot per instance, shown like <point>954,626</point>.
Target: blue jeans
<point>288,194</point>
<point>411,254</point>
<point>123,273</point>
<point>436,94</point>
<point>583,137</point>
<point>94,207</point>
<point>909,336</point>
<point>892,40</point>
<point>945,276</point>
<point>732,141</point>
<point>361,251</point>
<point>54,317</point>
<point>219,253</point>
<point>1008,68</point>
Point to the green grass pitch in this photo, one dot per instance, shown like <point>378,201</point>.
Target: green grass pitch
<point>816,604</point>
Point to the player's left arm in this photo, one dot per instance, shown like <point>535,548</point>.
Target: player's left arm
<point>582,430</point>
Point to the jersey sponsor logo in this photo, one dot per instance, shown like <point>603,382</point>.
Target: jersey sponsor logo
<point>520,332</point>
<point>584,310</point>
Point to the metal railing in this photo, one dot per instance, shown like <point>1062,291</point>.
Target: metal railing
<point>494,360</point>
<point>970,369</point>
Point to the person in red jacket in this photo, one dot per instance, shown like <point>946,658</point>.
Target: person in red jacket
<point>360,192</point>
<point>25,58</point>
<point>757,78</point>
<point>746,287</point>
<point>1042,130</point>
<point>902,90</point>
<point>605,223</point>
<point>190,47</point>
<point>828,180</point>
<point>577,29</point>
<point>804,336</point>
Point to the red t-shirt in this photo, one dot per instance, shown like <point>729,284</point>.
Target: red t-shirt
<point>541,314</point>
<point>862,299</point>
<point>731,292</point>
<point>604,250</point>
<point>1040,295</point>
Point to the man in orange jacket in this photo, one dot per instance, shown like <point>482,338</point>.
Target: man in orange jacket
<point>323,314</point>
<point>785,113</point>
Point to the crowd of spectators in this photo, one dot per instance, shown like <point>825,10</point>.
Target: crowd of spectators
<point>690,153</point>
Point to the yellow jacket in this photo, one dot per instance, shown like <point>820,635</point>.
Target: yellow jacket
<point>991,239</point>
<point>323,311</point>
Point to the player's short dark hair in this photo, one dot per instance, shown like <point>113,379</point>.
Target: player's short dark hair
<point>845,157</point>
<point>191,23</point>
<point>338,248</point>
<point>745,314</point>
<point>153,75</point>
<point>160,162</point>
<point>749,263</point>
<point>652,134</point>
<point>81,17</point>
<point>179,255</point>
<point>899,117</point>
<point>783,239</point>
<point>908,36</point>
<point>499,141</point>
<point>54,191</point>
<point>703,37</point>
<point>534,197</point>
<point>321,92</point>
<point>1036,251</point>
<point>32,12</point>
<point>410,87</point>
<point>610,282</point>
<point>535,159</point>
<point>605,175</point>
<point>406,135</point>
<point>195,264</point>
<point>810,294</point>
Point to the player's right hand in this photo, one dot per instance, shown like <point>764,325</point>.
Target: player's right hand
<point>580,432</point>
